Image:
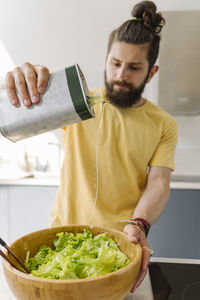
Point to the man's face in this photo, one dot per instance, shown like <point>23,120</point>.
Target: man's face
<point>126,73</point>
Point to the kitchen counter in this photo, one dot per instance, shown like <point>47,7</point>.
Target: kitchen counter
<point>54,181</point>
<point>143,292</point>
<point>185,185</point>
<point>31,181</point>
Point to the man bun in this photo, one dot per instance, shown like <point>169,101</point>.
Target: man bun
<point>142,29</point>
<point>146,10</point>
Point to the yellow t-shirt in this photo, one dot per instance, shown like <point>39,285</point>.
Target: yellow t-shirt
<point>129,140</point>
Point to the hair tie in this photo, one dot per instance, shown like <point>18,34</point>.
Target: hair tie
<point>137,19</point>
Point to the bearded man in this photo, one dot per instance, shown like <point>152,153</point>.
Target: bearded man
<point>134,139</point>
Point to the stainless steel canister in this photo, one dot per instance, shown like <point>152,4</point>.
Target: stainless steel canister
<point>63,103</point>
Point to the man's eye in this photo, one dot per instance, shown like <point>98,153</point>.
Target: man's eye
<point>135,68</point>
<point>116,64</point>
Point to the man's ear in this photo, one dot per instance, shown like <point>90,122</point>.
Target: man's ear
<point>153,71</point>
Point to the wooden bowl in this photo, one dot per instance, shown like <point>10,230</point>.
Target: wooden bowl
<point>113,286</point>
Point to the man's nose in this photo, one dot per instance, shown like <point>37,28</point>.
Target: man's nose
<point>122,73</point>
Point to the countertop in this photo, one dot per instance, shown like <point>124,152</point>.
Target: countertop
<point>54,181</point>
<point>31,181</point>
<point>143,292</point>
<point>35,178</point>
<point>179,180</point>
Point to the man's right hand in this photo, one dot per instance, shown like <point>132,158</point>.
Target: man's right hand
<point>28,82</point>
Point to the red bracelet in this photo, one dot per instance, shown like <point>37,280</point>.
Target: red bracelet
<point>143,221</point>
<point>145,224</point>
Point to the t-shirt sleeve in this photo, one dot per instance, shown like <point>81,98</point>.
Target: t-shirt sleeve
<point>164,152</point>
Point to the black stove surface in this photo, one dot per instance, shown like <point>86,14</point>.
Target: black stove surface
<point>175,281</point>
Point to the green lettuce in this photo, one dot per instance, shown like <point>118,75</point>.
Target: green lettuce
<point>80,255</point>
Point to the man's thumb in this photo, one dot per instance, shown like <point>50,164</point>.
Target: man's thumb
<point>133,234</point>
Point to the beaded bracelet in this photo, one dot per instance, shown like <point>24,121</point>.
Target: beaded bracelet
<point>138,224</point>
<point>146,225</point>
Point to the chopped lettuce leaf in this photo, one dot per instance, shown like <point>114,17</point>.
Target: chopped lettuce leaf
<point>77,256</point>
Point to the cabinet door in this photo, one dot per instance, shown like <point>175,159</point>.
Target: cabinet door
<point>4,214</point>
<point>176,233</point>
<point>30,208</point>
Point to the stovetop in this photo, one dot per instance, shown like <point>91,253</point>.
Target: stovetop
<point>175,281</point>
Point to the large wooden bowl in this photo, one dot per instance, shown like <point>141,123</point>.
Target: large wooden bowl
<point>113,286</point>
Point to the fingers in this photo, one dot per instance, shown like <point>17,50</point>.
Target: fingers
<point>30,77</point>
<point>21,87</point>
<point>146,255</point>
<point>135,234</point>
<point>10,88</point>
<point>139,281</point>
<point>26,84</point>
<point>43,77</point>
<point>143,269</point>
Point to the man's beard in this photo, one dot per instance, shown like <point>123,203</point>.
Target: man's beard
<point>124,99</point>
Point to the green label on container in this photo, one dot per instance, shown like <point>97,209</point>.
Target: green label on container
<point>77,93</point>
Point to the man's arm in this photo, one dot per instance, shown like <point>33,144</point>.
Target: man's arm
<point>150,208</point>
<point>155,196</point>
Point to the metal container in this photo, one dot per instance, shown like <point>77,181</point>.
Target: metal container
<point>63,103</point>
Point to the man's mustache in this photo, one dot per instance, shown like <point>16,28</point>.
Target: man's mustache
<point>123,83</point>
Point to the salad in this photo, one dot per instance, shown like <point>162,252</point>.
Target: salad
<point>75,256</point>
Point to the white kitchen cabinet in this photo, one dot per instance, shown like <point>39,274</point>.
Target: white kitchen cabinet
<point>25,209</point>
<point>4,213</point>
<point>30,208</point>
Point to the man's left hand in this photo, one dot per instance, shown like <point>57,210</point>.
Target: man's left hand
<point>136,235</point>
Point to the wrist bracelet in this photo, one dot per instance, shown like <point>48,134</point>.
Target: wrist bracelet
<point>146,225</point>
<point>138,224</point>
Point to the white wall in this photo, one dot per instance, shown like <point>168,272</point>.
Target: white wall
<point>58,33</point>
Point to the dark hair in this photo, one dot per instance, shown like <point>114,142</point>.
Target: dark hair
<point>143,28</point>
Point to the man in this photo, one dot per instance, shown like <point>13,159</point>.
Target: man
<point>134,139</point>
